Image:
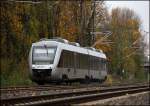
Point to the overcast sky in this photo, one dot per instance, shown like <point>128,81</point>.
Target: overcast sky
<point>141,8</point>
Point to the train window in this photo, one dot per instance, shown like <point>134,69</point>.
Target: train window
<point>77,60</point>
<point>86,61</point>
<point>82,61</point>
<point>43,55</point>
<point>95,63</point>
<point>66,59</point>
<point>103,64</point>
<point>60,64</point>
<point>70,58</point>
<point>100,64</point>
<point>91,62</point>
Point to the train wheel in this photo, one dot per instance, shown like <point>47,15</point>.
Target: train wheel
<point>58,83</point>
<point>65,78</point>
<point>87,79</point>
<point>40,83</point>
<point>105,78</point>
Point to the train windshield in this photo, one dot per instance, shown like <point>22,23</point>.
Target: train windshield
<point>43,55</point>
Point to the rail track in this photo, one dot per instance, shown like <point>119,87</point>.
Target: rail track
<point>57,87</point>
<point>36,88</point>
<point>66,98</point>
<point>16,89</point>
<point>21,91</point>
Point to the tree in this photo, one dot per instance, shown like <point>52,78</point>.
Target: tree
<point>125,26</point>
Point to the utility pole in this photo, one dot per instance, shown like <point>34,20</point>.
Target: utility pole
<point>106,33</point>
<point>93,29</point>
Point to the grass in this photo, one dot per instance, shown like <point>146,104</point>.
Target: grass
<point>114,79</point>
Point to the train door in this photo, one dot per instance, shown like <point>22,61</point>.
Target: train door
<point>88,56</point>
<point>75,63</point>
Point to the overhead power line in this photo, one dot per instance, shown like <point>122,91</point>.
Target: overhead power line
<point>24,1</point>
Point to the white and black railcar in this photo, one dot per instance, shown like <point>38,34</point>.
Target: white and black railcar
<point>59,60</point>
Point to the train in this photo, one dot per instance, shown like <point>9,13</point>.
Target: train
<point>58,60</point>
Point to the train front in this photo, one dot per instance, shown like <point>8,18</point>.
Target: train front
<point>41,60</point>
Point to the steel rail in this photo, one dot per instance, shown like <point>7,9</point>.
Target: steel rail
<point>84,98</point>
<point>34,88</point>
<point>49,87</point>
<point>31,100</point>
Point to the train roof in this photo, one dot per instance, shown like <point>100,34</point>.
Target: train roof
<point>70,46</point>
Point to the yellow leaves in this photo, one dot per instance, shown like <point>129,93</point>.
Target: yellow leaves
<point>104,47</point>
<point>130,22</point>
<point>67,27</point>
<point>130,65</point>
<point>65,18</point>
<point>16,26</point>
<point>109,80</point>
<point>134,29</point>
<point>3,12</point>
<point>68,34</point>
<point>11,18</point>
<point>72,29</point>
<point>102,43</point>
<point>136,34</point>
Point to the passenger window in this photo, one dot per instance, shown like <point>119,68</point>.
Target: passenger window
<point>66,59</point>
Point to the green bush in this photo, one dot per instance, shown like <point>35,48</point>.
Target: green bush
<point>13,74</point>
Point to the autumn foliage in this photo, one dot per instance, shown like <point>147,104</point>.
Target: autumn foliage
<point>25,23</point>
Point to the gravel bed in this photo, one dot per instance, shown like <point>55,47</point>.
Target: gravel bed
<point>25,93</point>
<point>140,99</point>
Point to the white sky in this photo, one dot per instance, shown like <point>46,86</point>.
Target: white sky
<point>141,8</point>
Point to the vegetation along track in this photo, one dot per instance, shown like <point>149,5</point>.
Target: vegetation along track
<point>66,98</point>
